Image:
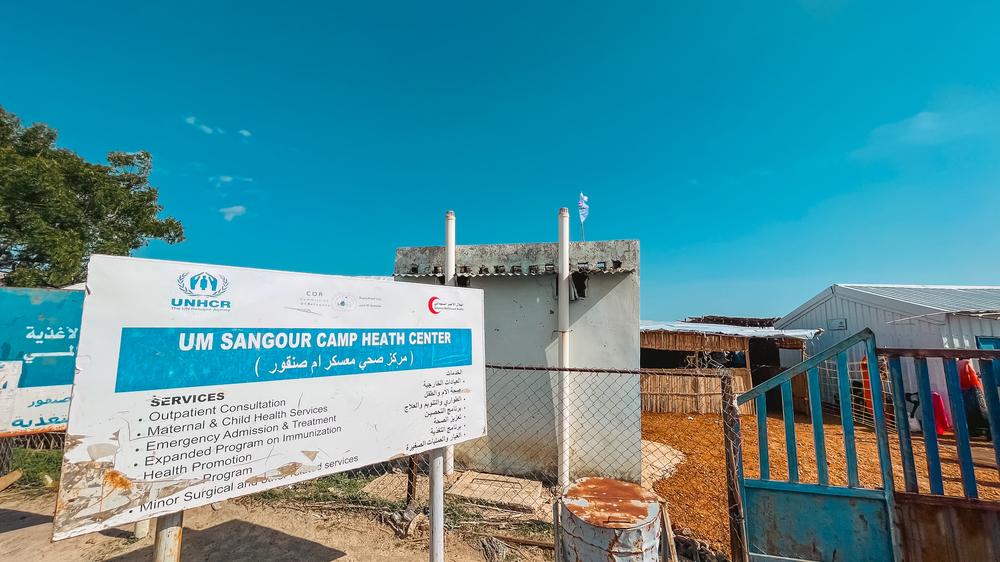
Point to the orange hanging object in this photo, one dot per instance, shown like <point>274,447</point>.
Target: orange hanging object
<point>967,375</point>
<point>867,384</point>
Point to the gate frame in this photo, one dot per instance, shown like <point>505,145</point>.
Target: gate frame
<point>809,367</point>
<point>936,525</point>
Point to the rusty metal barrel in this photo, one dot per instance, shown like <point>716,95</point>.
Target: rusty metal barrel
<point>608,520</point>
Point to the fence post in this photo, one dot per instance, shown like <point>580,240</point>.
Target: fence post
<point>734,454</point>
<point>411,482</point>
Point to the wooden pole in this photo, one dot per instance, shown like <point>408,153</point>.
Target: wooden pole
<point>169,529</point>
<point>141,530</point>
<point>668,548</point>
<point>734,453</point>
<point>411,483</point>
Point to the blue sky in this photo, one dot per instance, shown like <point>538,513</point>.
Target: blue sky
<point>759,150</point>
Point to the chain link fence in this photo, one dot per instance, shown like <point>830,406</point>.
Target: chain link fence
<point>504,484</point>
<point>34,441</point>
<point>860,399</point>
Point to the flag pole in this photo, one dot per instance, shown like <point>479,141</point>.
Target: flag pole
<point>583,233</point>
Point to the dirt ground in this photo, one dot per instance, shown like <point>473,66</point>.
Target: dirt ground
<point>234,532</point>
<point>696,494</point>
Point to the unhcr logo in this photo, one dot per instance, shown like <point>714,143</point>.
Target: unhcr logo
<point>202,290</point>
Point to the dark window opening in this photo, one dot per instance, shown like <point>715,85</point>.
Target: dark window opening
<point>664,359</point>
<point>580,284</point>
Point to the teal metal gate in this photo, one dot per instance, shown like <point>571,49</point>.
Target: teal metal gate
<point>788,519</point>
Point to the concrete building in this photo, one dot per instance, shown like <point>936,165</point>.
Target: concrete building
<point>904,316</point>
<point>519,282</point>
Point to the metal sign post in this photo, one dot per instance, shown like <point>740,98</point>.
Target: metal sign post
<point>437,505</point>
<point>449,280</point>
<point>442,460</point>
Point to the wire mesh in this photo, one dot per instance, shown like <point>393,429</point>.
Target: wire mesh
<point>506,482</point>
<point>860,397</point>
<point>6,455</point>
<point>39,441</point>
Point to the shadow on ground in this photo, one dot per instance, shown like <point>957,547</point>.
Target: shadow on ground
<point>12,520</point>
<point>239,540</point>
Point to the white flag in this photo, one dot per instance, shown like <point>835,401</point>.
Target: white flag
<point>584,207</point>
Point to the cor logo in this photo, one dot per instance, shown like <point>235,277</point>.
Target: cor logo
<point>202,290</point>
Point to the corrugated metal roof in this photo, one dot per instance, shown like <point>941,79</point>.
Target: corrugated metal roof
<point>944,298</point>
<point>725,330</point>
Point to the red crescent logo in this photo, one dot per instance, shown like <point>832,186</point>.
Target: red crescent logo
<point>430,305</point>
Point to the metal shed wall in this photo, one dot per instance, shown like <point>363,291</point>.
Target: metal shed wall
<point>893,327</point>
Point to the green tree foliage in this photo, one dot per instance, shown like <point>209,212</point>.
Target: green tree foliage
<point>56,209</point>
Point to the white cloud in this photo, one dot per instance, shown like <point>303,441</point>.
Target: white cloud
<point>202,126</point>
<point>219,180</point>
<point>930,128</point>
<point>245,133</point>
<point>230,213</point>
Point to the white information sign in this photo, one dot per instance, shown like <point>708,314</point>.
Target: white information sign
<point>198,383</point>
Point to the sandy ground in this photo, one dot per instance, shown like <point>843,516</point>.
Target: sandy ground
<point>696,494</point>
<point>235,532</point>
